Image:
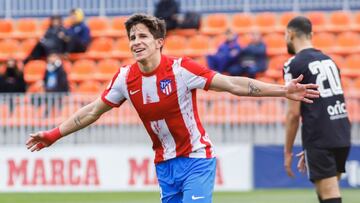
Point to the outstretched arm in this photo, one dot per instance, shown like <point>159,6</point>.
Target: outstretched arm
<point>243,86</point>
<point>81,118</point>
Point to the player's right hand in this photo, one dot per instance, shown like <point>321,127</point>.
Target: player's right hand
<point>41,139</point>
<point>287,164</point>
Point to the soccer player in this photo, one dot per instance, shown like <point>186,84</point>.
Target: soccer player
<point>162,90</point>
<point>325,124</point>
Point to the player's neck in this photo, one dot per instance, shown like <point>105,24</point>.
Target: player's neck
<point>303,45</point>
<point>150,64</point>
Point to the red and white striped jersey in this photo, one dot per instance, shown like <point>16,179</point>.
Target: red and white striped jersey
<point>165,100</point>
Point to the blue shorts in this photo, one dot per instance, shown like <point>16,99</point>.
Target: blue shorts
<point>186,180</point>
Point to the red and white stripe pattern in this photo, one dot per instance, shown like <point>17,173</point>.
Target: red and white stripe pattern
<point>165,100</point>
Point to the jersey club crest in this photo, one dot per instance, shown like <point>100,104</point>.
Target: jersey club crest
<point>165,86</point>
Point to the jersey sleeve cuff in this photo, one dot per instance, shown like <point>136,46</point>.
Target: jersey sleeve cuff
<point>109,102</point>
<point>209,80</point>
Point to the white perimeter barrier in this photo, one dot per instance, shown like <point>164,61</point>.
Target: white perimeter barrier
<point>108,168</point>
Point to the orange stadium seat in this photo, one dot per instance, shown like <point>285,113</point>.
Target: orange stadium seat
<point>118,26</point>
<point>106,69</point>
<point>100,48</point>
<point>318,20</point>
<point>347,43</point>
<point>324,41</point>
<point>340,21</point>
<point>35,88</point>
<point>6,27</point>
<point>44,25</point>
<point>26,28</point>
<point>26,46</point>
<point>356,22</point>
<point>9,48</point>
<point>88,87</point>
<point>198,45</point>
<point>82,70</point>
<point>352,66</point>
<point>67,66</point>
<point>277,62</point>
<point>175,45</point>
<point>99,26</point>
<point>121,49</point>
<point>338,59</point>
<point>266,22</point>
<point>34,71</point>
<point>275,67</point>
<point>346,84</point>
<point>242,23</point>
<point>285,19</point>
<point>214,24</point>
<point>275,44</point>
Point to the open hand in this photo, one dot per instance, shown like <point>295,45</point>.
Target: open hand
<point>301,92</point>
<point>37,141</point>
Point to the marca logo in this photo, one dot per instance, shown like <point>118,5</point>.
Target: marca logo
<point>53,172</point>
<point>337,111</point>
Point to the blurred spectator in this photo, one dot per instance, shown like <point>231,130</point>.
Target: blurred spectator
<point>55,79</point>
<point>168,10</point>
<point>227,54</point>
<point>13,79</point>
<point>77,37</point>
<point>191,20</point>
<point>51,42</point>
<point>253,57</point>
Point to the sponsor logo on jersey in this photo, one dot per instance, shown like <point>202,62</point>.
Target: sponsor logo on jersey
<point>165,86</point>
<point>337,111</point>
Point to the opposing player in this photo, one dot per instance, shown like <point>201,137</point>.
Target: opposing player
<point>162,90</point>
<point>325,124</point>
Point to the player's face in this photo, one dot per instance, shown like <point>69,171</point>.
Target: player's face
<point>289,42</point>
<point>143,45</point>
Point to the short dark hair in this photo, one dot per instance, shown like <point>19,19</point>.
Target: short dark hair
<point>156,26</point>
<point>301,25</point>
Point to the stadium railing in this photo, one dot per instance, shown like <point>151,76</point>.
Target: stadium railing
<point>227,118</point>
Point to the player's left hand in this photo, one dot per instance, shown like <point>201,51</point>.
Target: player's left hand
<point>301,92</point>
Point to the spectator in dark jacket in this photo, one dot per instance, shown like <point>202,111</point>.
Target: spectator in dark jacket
<point>168,10</point>
<point>253,57</point>
<point>55,79</point>
<point>77,37</point>
<point>13,79</point>
<point>51,42</point>
<point>227,54</point>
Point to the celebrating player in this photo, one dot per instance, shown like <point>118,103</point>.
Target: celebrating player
<point>325,124</point>
<point>162,90</point>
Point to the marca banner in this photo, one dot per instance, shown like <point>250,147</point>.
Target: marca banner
<point>270,173</point>
<point>106,168</point>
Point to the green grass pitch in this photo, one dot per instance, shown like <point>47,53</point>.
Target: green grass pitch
<point>257,196</point>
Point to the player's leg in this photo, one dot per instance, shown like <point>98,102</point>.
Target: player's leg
<point>170,191</point>
<point>199,184</point>
<point>322,171</point>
